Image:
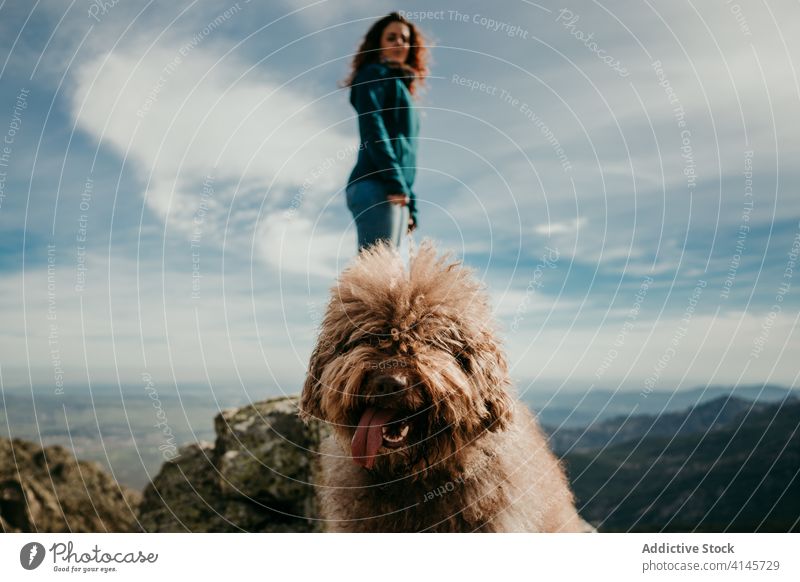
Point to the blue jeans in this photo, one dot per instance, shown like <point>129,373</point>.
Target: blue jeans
<point>376,218</point>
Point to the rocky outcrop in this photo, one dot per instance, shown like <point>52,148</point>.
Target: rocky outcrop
<point>258,476</point>
<point>48,490</point>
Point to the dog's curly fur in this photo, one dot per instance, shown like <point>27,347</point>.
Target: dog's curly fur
<point>475,459</point>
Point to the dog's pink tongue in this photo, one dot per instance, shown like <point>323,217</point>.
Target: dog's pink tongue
<point>368,437</point>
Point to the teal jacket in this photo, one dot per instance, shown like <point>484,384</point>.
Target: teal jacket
<point>388,124</point>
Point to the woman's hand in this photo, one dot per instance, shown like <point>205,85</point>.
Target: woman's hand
<point>400,199</point>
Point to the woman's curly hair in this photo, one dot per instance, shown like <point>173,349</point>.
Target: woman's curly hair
<point>416,65</point>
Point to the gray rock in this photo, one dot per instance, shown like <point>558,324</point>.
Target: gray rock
<point>185,494</point>
<point>257,477</point>
<point>262,453</point>
<point>48,490</point>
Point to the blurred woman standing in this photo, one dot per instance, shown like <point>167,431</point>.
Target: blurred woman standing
<point>387,70</point>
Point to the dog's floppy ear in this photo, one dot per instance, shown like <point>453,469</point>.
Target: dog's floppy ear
<point>492,367</point>
<point>311,398</point>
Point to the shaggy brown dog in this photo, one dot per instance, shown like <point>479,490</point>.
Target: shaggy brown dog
<point>409,373</point>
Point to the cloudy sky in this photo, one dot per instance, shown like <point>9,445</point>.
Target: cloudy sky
<point>622,176</point>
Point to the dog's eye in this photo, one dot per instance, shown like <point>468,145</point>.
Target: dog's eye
<point>464,361</point>
<point>344,347</point>
<point>371,340</point>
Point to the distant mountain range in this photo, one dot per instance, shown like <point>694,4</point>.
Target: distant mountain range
<point>728,465</point>
<point>699,419</point>
<point>561,408</point>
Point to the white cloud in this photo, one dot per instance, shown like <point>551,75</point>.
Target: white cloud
<point>294,244</point>
<point>201,119</point>
<point>715,350</point>
<point>140,316</point>
<point>563,227</point>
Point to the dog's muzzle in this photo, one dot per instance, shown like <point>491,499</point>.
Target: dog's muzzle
<point>378,427</point>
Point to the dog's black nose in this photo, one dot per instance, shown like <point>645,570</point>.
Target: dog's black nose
<point>387,384</point>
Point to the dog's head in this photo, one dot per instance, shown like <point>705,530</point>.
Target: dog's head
<point>407,367</point>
